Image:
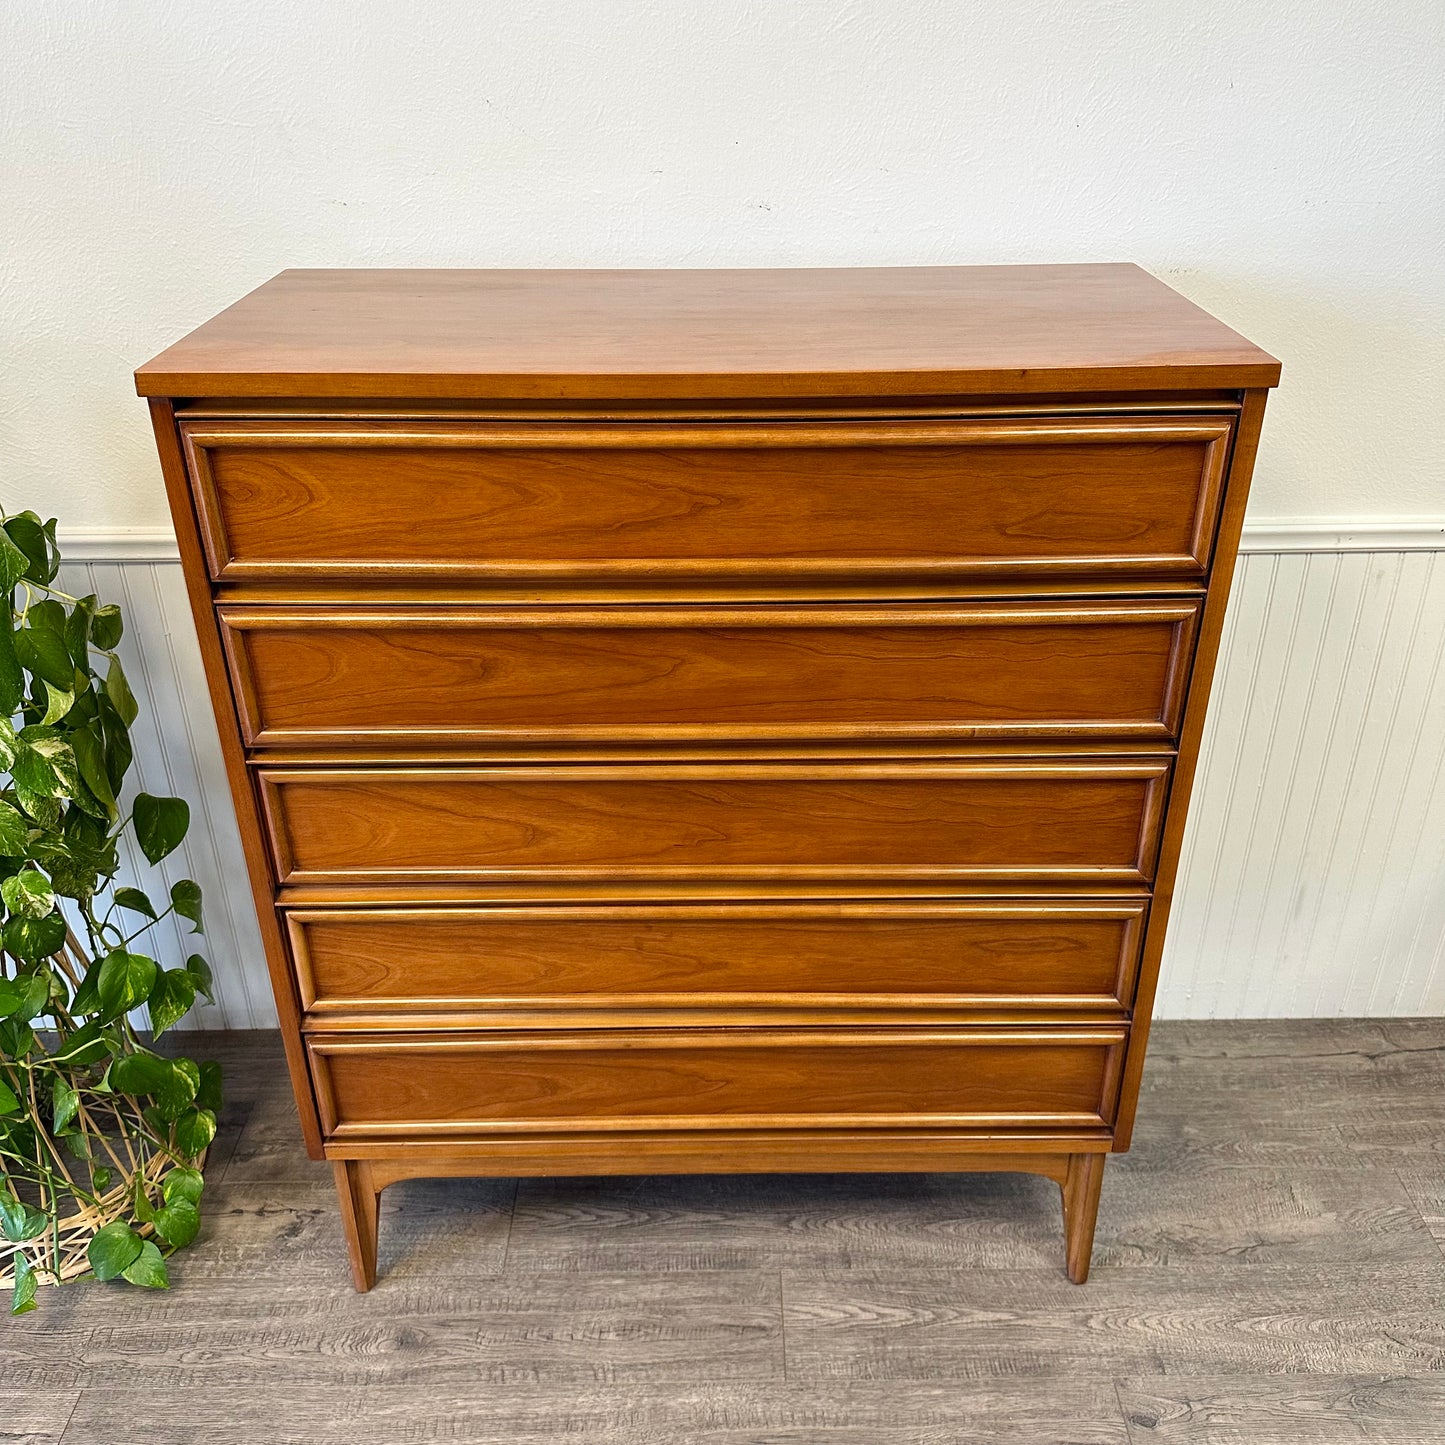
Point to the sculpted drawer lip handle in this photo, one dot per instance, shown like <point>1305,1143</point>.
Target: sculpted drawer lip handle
<point>861,1036</point>
<point>663,436</point>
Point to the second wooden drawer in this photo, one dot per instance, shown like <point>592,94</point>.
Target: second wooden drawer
<point>311,676</point>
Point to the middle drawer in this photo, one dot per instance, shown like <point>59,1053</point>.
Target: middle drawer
<point>911,825</point>
<point>436,676</point>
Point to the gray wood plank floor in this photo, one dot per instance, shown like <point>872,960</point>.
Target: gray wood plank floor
<point>1270,1269</point>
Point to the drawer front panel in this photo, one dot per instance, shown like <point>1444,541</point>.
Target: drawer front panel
<point>908,822</point>
<point>1025,956</point>
<point>437,1085</point>
<point>505,500</point>
<point>309,676</point>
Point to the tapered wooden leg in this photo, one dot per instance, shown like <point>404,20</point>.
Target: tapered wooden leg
<point>360,1206</point>
<point>1081,1208</point>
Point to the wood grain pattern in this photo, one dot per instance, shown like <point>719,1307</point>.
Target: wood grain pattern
<point>923,330</point>
<point>1290,1409</point>
<point>430,1086</point>
<point>925,823</point>
<point>311,676</point>
<point>927,1324</point>
<point>1047,957</point>
<point>1125,495</point>
<point>516,1411</point>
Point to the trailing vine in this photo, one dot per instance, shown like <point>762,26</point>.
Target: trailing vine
<point>100,1134</point>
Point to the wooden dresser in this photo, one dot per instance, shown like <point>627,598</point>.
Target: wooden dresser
<point>711,720</point>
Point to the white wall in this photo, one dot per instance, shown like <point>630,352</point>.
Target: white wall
<point>1280,163</point>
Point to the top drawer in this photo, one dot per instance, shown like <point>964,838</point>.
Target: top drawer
<point>1125,496</point>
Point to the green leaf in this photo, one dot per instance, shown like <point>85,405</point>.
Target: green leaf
<point>28,894</point>
<point>12,677</point>
<point>77,631</point>
<point>114,1249</point>
<point>182,1183</point>
<point>194,1131</point>
<point>106,626</point>
<point>141,1204</point>
<point>42,651</point>
<point>13,563</point>
<point>18,1221</point>
<point>117,689</point>
<point>148,1268</point>
<point>36,539</point>
<point>200,972</point>
<point>140,1073</point>
<point>34,997</point>
<point>124,982</point>
<point>101,1178</point>
<point>186,900</point>
<point>160,824</point>
<point>208,1093</point>
<point>14,831</point>
<point>88,744</point>
<point>178,1223</point>
<point>10,997</point>
<point>136,901</point>
<point>118,751</point>
<point>17,1038</point>
<point>175,1095</point>
<point>23,1299</point>
<point>9,743</point>
<point>85,1046</point>
<point>171,999</point>
<point>60,702</point>
<point>44,767</point>
<point>9,1104</point>
<point>87,996</point>
<point>33,939</point>
<point>65,1099</point>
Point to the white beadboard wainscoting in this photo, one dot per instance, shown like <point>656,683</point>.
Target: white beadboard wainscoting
<point>1313,877</point>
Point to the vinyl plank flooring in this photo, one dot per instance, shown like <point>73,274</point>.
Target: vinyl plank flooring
<point>269,1149</point>
<point>1286,1410</point>
<point>998,1413</point>
<point>1233,1219</point>
<point>683,1328</point>
<point>429,1228</point>
<point>34,1417</point>
<point>944,1325</point>
<point>1426,1189</point>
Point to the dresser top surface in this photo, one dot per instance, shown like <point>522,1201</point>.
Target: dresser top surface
<point>866,331</point>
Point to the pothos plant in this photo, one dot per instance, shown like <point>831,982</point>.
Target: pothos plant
<point>101,1136</point>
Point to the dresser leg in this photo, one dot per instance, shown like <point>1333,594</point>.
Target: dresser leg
<point>360,1206</point>
<point>1081,1208</point>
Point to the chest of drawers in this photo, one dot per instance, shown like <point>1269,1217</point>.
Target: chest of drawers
<point>711,721</point>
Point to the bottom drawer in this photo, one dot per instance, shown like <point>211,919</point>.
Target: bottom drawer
<point>460,1085</point>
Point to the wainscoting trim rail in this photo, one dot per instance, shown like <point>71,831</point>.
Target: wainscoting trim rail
<point>1278,535</point>
<point>1344,534</point>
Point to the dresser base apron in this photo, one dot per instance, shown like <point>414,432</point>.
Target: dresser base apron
<point>1075,1164</point>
